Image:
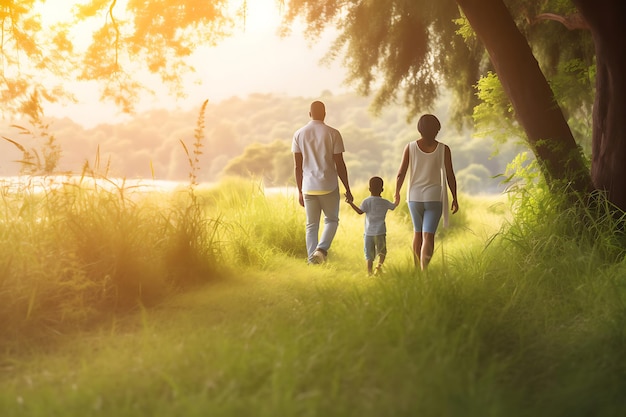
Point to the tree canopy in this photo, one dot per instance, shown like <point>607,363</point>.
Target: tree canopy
<point>527,44</point>
<point>394,48</point>
<point>544,53</point>
<point>113,42</point>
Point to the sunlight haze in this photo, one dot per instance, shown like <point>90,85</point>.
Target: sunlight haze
<point>253,60</point>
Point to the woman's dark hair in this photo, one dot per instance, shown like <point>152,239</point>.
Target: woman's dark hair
<point>428,125</point>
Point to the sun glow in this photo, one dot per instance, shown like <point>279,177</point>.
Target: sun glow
<point>260,15</point>
<point>253,58</point>
<point>58,12</point>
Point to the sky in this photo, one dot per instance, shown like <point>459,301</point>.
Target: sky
<point>254,60</point>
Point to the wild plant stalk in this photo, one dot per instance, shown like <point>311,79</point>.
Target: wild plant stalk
<point>79,251</point>
<point>194,247</point>
<point>497,331</point>
<point>32,162</point>
<point>194,157</point>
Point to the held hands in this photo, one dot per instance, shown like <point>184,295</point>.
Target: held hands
<point>396,200</point>
<point>349,198</point>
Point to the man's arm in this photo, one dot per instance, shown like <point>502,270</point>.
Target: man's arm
<point>342,172</point>
<point>297,168</point>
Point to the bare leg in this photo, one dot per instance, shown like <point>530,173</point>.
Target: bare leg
<point>370,264</point>
<point>381,260</point>
<point>417,247</point>
<point>428,247</point>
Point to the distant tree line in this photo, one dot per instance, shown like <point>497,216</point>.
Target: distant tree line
<point>252,137</point>
<point>373,144</point>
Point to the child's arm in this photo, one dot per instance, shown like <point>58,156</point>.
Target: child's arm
<point>355,207</point>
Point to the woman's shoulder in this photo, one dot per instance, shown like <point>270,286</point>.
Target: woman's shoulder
<point>442,146</point>
<point>445,147</point>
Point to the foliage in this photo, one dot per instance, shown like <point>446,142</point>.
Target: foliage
<point>494,116</point>
<point>394,47</point>
<point>405,47</point>
<point>474,179</point>
<point>160,33</point>
<point>515,318</point>
<point>440,44</point>
<point>32,163</point>
<point>27,51</point>
<point>258,221</point>
<point>378,58</point>
<point>573,87</point>
<point>553,224</point>
<point>237,129</point>
<point>273,162</point>
<point>74,249</point>
<point>194,161</point>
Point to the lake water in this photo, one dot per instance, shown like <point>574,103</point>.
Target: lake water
<point>37,184</point>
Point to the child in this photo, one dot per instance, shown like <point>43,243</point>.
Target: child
<point>375,208</point>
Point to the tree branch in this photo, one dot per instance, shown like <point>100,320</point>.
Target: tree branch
<point>117,31</point>
<point>572,22</point>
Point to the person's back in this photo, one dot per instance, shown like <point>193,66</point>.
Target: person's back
<point>429,163</point>
<point>425,168</point>
<point>318,142</point>
<point>375,235</point>
<point>318,161</point>
<point>375,209</point>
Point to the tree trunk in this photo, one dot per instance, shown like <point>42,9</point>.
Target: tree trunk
<point>536,109</point>
<point>608,164</point>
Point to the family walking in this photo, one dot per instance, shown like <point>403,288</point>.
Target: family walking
<point>319,165</point>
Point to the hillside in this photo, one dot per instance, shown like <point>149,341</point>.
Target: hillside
<point>251,136</point>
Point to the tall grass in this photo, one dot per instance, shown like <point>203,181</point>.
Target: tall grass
<point>75,249</point>
<point>256,227</point>
<point>518,315</point>
<point>71,252</point>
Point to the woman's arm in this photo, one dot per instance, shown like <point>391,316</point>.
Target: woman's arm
<point>451,178</point>
<point>404,165</point>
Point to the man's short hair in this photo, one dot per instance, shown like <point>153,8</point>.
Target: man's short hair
<point>318,110</point>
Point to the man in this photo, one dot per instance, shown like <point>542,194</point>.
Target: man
<point>318,161</point>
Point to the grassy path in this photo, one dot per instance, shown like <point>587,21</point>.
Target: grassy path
<point>264,344</point>
<point>288,339</point>
<point>281,338</point>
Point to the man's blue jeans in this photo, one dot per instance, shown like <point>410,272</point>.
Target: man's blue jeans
<point>314,205</point>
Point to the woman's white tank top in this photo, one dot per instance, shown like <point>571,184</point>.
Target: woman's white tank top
<point>427,173</point>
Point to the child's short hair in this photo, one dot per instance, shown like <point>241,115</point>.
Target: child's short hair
<point>376,184</point>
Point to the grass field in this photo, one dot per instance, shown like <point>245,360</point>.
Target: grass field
<point>201,303</point>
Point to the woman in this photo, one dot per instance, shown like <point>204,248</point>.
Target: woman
<point>430,165</point>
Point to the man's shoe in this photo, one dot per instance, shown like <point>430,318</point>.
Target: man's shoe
<point>318,257</point>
